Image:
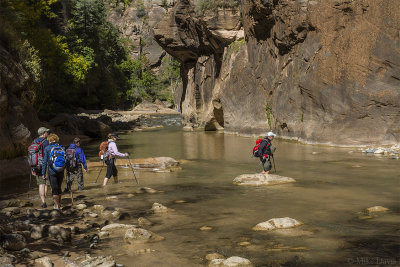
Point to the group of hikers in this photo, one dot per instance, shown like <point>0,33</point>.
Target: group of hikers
<point>49,160</point>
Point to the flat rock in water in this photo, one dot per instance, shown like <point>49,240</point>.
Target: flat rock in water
<point>262,179</point>
<point>277,223</point>
<point>376,209</point>
<point>234,261</point>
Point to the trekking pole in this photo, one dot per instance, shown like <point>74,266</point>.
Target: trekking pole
<point>30,180</point>
<point>130,164</point>
<point>99,172</point>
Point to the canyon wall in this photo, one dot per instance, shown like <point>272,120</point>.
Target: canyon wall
<point>323,72</point>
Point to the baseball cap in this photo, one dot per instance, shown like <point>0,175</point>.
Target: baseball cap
<point>115,135</point>
<point>42,130</point>
<point>270,134</point>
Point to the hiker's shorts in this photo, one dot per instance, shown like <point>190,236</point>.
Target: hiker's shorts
<point>266,164</point>
<point>111,169</point>
<point>71,175</point>
<point>40,180</point>
<point>56,179</point>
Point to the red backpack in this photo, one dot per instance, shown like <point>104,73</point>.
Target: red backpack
<point>103,153</point>
<point>35,155</point>
<point>255,148</point>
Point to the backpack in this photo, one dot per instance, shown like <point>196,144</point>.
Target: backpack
<point>57,158</point>
<point>103,153</point>
<point>72,161</point>
<point>255,148</point>
<point>35,155</point>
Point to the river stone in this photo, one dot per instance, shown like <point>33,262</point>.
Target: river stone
<point>60,233</point>
<point>205,228</point>
<point>139,235</point>
<point>6,261</point>
<point>377,209</point>
<point>101,261</point>
<point>116,214</point>
<point>98,208</point>
<point>277,223</point>
<point>103,234</point>
<point>117,226</point>
<point>262,179</point>
<point>144,222</point>
<point>112,198</point>
<point>13,242</point>
<point>159,208</point>
<point>44,261</point>
<point>81,206</point>
<point>234,261</point>
<point>214,256</point>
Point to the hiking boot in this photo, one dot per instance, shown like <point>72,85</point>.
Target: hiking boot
<point>44,205</point>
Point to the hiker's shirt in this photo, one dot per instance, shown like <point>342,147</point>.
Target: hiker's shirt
<point>80,156</point>
<point>265,148</point>
<point>46,159</point>
<point>113,150</point>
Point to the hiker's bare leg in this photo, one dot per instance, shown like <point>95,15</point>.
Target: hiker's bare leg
<point>265,172</point>
<point>42,192</point>
<point>115,179</point>
<point>105,181</point>
<point>56,199</point>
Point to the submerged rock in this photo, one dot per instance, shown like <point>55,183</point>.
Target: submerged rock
<point>102,261</point>
<point>277,223</point>
<point>139,235</point>
<point>262,179</point>
<point>159,208</point>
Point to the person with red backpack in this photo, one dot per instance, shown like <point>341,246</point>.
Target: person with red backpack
<point>75,161</point>
<point>265,152</point>
<point>35,158</point>
<point>112,152</point>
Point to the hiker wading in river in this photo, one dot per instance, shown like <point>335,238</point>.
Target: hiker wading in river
<point>266,150</point>
<point>112,152</point>
<point>76,161</point>
<point>53,166</point>
<point>42,182</point>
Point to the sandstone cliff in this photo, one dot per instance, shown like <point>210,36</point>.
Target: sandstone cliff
<point>316,71</point>
<point>18,119</point>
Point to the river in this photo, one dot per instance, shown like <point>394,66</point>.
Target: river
<point>334,186</point>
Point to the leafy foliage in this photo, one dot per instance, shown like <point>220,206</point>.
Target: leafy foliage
<point>78,59</point>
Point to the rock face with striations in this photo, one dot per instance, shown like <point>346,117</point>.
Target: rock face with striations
<point>316,71</point>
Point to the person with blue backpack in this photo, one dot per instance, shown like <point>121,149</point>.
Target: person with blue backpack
<point>75,161</point>
<point>54,161</point>
<point>35,158</point>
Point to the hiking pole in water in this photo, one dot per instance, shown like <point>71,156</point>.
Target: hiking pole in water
<point>130,164</point>
<point>99,172</point>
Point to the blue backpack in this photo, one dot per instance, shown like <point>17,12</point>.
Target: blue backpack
<point>57,158</point>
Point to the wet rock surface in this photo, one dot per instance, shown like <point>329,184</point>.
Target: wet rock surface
<point>262,179</point>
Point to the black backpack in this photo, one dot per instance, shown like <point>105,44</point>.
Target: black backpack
<point>72,161</point>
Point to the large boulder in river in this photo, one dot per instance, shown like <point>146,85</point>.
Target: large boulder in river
<point>158,164</point>
<point>139,235</point>
<point>13,241</point>
<point>262,179</point>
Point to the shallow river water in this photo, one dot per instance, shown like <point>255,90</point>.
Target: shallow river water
<point>334,186</point>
